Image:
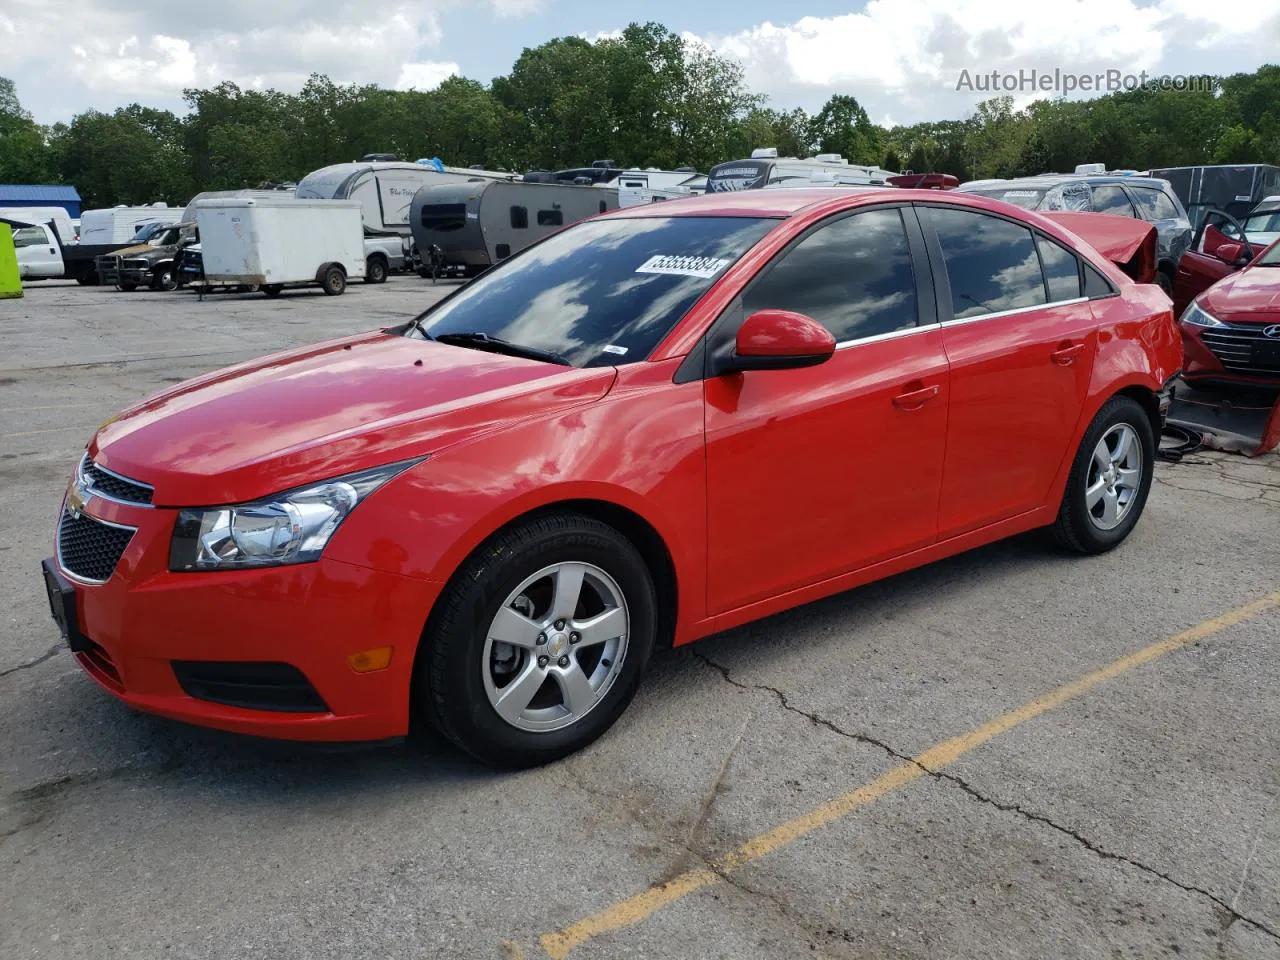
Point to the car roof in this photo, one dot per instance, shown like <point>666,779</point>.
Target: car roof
<point>1046,180</point>
<point>744,203</point>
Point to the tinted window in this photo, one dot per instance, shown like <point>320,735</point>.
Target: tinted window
<point>550,218</point>
<point>1153,204</point>
<point>444,216</point>
<point>519,218</point>
<point>28,237</point>
<point>1111,200</point>
<point>991,263</point>
<point>1095,284</point>
<point>853,276</point>
<point>603,291</point>
<point>1061,270</point>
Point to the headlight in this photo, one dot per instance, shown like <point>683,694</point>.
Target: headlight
<point>1199,317</point>
<point>290,527</point>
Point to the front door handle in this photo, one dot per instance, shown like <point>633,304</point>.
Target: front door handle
<point>916,397</point>
<point>1067,353</point>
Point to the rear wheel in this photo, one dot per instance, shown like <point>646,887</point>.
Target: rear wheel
<point>334,281</point>
<point>1109,480</point>
<point>375,270</point>
<point>273,289</point>
<point>539,641</point>
<point>128,286</point>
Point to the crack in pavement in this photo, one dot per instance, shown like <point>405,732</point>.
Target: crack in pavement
<point>1228,909</point>
<point>47,655</point>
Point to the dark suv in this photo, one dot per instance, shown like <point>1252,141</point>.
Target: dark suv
<point>1145,198</point>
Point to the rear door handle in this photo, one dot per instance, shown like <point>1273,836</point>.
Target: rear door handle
<point>1067,353</point>
<point>915,399</point>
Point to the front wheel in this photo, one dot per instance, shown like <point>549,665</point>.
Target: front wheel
<point>539,641</point>
<point>128,286</point>
<point>164,280</point>
<point>1109,480</point>
<point>375,270</point>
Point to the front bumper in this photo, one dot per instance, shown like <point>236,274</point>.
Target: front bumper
<point>115,270</point>
<point>310,617</point>
<point>1233,353</point>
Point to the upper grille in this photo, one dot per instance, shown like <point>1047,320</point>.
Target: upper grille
<point>112,485</point>
<point>89,548</point>
<point>1243,348</point>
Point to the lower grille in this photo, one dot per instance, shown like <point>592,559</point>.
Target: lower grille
<point>1243,348</point>
<point>89,548</point>
<point>280,687</point>
<point>99,661</point>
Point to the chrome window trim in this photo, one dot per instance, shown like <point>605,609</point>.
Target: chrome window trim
<point>891,335</point>
<point>57,544</point>
<point>84,483</point>
<point>1009,313</point>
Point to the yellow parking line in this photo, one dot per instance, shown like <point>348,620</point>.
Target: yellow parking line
<point>628,912</point>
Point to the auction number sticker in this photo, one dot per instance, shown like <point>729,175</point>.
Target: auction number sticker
<point>704,267</point>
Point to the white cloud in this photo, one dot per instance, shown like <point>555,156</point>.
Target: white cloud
<point>425,75</point>
<point>906,56</point>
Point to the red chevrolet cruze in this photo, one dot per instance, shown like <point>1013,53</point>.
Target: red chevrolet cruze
<point>650,427</point>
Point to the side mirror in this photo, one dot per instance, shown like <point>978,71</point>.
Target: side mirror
<point>779,340</point>
<point>1233,253</point>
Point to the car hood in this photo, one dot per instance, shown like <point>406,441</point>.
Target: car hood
<point>135,249</point>
<point>327,410</point>
<point>1250,296</point>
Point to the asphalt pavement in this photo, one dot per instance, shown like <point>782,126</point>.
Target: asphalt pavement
<point>1013,753</point>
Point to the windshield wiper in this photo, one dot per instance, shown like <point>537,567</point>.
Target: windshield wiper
<point>497,345</point>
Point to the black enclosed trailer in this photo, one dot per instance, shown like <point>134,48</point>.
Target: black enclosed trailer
<point>1235,188</point>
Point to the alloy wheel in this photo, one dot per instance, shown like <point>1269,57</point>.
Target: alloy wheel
<point>555,647</point>
<point>1114,477</point>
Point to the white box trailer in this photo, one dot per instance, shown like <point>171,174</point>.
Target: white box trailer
<point>274,242</point>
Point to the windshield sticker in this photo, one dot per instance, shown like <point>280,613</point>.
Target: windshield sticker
<point>704,267</point>
<point>1019,193</point>
<point>614,348</point>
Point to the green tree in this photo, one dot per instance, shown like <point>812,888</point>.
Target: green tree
<point>24,151</point>
<point>842,126</point>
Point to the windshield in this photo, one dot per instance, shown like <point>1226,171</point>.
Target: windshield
<point>164,237</point>
<point>602,292</point>
<point>1269,257</point>
<point>1018,196</point>
<point>1268,222</point>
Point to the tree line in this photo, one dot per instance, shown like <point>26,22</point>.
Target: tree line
<point>645,98</point>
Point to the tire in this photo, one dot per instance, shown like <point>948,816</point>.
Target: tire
<point>375,270</point>
<point>85,279</point>
<point>334,281</point>
<point>1165,282</point>
<point>459,665</point>
<point>128,286</point>
<point>273,289</point>
<point>164,280</point>
<point>1096,515</point>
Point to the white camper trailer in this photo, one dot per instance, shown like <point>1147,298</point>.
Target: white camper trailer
<point>120,224</point>
<point>280,241</point>
<point>384,189</point>
<point>765,168</point>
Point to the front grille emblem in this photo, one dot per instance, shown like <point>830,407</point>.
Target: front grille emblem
<point>1272,331</point>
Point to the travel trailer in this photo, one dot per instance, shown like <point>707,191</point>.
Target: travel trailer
<point>384,189</point>
<point>120,224</point>
<point>634,186</point>
<point>477,224</point>
<point>765,168</point>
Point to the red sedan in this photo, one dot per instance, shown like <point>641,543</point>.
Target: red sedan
<point>645,429</point>
<point>1231,332</point>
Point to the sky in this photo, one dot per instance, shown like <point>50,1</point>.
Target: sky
<point>902,59</point>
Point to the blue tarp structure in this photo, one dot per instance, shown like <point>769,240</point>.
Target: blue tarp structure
<point>40,195</point>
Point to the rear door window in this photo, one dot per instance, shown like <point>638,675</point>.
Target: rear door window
<point>1061,270</point>
<point>854,276</point>
<point>1153,204</point>
<point>1111,199</point>
<point>992,264</point>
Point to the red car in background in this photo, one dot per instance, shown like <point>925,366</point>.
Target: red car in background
<point>649,427</point>
<point>1231,332</point>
